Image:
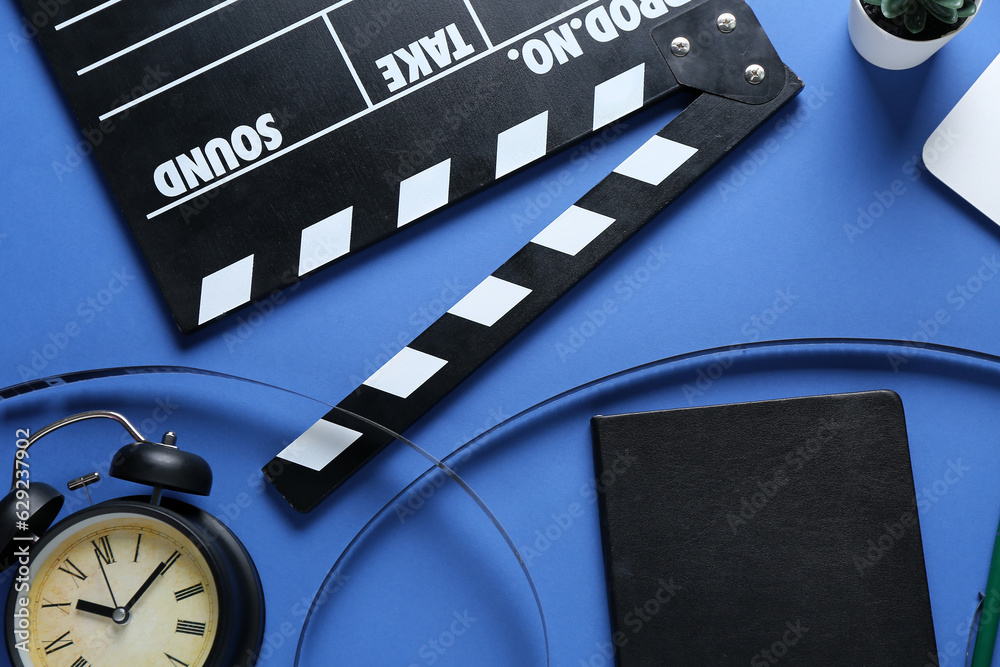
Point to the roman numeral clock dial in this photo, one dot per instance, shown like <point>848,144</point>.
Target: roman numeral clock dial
<point>139,581</point>
<point>121,590</point>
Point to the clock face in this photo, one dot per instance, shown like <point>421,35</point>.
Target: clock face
<point>119,589</point>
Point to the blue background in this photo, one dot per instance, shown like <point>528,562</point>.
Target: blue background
<point>772,222</point>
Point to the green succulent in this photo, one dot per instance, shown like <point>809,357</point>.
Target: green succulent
<point>915,12</point>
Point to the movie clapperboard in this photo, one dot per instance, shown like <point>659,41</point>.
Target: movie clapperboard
<point>250,143</point>
<point>315,131</point>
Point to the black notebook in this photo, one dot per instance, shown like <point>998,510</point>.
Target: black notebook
<point>776,532</point>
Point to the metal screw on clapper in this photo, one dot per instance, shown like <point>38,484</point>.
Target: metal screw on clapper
<point>680,47</point>
<point>83,482</point>
<point>726,23</point>
<point>755,74</point>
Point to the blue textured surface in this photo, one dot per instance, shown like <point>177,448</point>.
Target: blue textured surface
<point>774,219</point>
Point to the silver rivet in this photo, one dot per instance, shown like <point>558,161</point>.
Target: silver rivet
<point>755,74</point>
<point>726,23</point>
<point>680,47</point>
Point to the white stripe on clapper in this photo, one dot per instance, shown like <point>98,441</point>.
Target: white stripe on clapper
<point>153,38</point>
<point>347,59</point>
<point>479,24</point>
<point>89,12</point>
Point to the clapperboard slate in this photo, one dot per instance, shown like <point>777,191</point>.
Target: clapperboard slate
<point>250,143</point>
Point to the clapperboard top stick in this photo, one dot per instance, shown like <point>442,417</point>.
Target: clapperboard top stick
<point>745,83</point>
<point>250,144</point>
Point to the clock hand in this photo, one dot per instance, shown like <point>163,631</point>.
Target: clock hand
<point>146,584</point>
<point>91,608</point>
<point>100,563</point>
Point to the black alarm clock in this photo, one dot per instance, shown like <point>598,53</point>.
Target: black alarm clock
<point>142,580</point>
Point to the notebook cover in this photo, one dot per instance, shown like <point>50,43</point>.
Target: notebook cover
<point>754,533</point>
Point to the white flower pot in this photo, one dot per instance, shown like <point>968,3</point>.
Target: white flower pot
<point>888,51</point>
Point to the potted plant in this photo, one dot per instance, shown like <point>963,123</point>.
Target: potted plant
<point>899,34</point>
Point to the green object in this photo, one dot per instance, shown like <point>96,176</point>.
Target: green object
<point>916,12</point>
<point>986,638</point>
